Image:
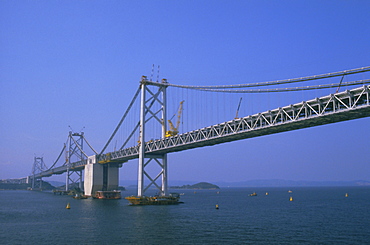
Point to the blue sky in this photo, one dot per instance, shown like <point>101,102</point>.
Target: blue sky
<point>79,63</point>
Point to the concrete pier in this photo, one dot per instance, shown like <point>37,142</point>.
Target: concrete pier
<point>100,177</point>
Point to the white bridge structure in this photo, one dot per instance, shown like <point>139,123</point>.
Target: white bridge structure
<point>101,170</point>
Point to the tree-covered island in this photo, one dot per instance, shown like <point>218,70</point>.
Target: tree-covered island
<point>198,186</point>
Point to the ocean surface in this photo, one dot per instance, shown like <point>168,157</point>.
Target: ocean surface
<point>317,215</point>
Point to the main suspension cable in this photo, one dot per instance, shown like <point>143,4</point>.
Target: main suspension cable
<point>278,82</point>
<point>123,118</point>
<point>64,147</point>
<point>313,87</point>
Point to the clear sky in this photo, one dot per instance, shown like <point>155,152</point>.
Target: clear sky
<point>79,63</point>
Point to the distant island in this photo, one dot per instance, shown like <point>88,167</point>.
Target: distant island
<point>292,183</point>
<point>198,186</point>
<point>23,186</point>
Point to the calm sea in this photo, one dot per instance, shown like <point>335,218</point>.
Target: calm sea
<point>320,215</point>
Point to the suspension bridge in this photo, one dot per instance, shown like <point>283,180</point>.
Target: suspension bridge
<point>145,132</point>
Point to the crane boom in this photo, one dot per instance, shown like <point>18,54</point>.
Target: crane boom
<point>174,130</point>
<point>179,112</point>
<point>237,110</point>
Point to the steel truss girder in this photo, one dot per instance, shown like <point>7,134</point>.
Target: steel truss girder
<point>347,105</point>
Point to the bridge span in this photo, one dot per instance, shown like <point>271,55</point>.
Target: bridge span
<point>344,106</point>
<point>103,167</point>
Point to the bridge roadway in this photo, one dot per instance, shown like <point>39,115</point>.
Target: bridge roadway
<point>343,106</point>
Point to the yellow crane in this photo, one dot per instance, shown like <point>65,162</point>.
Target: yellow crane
<point>174,130</point>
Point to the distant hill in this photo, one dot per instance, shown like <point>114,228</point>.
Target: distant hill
<point>201,185</point>
<point>11,186</point>
<point>57,183</point>
<point>291,183</point>
<point>23,186</point>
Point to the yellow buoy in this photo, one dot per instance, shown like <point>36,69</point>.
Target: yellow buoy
<point>346,195</point>
<point>267,193</point>
<point>68,206</point>
<point>217,206</point>
<point>291,199</point>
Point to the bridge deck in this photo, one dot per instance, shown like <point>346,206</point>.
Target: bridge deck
<point>347,105</point>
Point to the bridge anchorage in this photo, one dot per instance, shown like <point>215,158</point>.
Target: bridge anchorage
<point>154,140</point>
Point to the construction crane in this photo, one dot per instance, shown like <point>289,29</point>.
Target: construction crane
<point>174,130</point>
<point>237,110</point>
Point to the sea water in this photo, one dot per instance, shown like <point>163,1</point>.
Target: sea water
<point>317,215</point>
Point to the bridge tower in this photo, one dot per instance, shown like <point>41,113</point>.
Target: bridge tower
<point>152,107</point>
<point>38,166</point>
<point>74,154</point>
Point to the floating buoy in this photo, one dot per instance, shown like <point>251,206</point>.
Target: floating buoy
<point>68,206</point>
<point>267,193</point>
<point>291,199</point>
<point>346,195</point>
<point>217,206</point>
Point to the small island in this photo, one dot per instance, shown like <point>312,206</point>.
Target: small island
<point>198,186</point>
<point>9,185</point>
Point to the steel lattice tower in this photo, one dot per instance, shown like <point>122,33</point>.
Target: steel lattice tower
<point>153,107</point>
<point>74,154</point>
<point>38,167</point>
